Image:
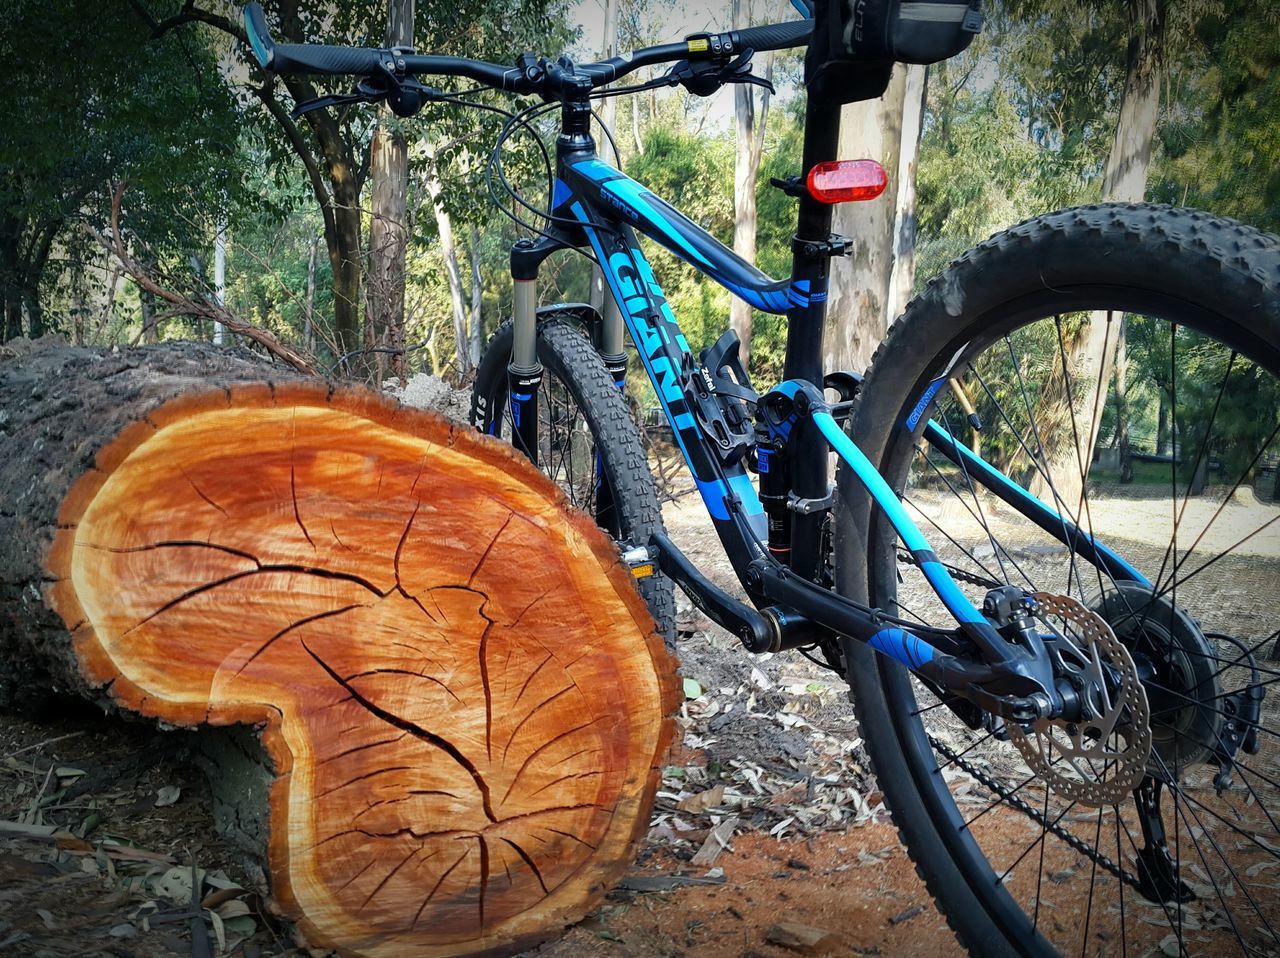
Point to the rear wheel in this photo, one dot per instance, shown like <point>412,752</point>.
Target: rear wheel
<point>588,441</point>
<point>1039,856</point>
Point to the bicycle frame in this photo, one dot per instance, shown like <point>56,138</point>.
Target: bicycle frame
<point>596,205</point>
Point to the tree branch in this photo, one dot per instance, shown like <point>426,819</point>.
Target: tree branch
<point>185,306</point>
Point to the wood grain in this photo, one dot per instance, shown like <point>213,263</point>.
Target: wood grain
<point>460,689</point>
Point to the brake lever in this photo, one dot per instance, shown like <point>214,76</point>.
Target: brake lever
<point>739,71</point>
<point>334,99</point>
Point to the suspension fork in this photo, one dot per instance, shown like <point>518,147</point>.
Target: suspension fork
<point>524,371</point>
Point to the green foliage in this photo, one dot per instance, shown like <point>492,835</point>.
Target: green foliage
<point>96,103</point>
<point>1223,146</point>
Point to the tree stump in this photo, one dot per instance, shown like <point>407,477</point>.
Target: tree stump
<point>460,691</point>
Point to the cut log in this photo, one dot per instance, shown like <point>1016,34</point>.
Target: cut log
<point>460,692</point>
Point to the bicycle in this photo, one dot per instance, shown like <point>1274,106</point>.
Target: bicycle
<point>989,691</point>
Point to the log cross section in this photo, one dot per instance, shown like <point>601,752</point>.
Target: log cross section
<point>460,690</point>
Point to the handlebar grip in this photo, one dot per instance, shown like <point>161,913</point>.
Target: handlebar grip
<point>289,58</point>
<point>774,36</point>
<point>314,58</point>
<point>255,25</point>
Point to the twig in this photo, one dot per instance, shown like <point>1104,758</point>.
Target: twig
<point>48,741</point>
<point>183,305</point>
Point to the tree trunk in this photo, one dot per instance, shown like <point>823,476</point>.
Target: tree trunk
<point>857,310</point>
<point>905,220</point>
<point>462,703</point>
<point>345,257</point>
<point>308,319</point>
<point>1090,359</point>
<point>608,47</point>
<point>388,235</point>
<point>477,298</point>
<point>449,253</point>
<point>150,325</point>
<point>749,145</point>
<point>1122,401</point>
<point>1162,426</point>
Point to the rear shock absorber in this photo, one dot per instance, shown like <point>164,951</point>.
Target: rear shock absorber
<point>775,487</point>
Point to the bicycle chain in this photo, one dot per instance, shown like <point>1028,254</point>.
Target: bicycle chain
<point>1080,846</point>
<point>961,574</point>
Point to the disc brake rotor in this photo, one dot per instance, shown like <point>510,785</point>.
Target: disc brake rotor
<point>1100,759</point>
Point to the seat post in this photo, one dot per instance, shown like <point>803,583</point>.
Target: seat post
<point>809,273</point>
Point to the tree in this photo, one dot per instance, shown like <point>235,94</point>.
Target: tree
<point>388,229</point>
<point>333,146</point>
<point>749,142</point>
<point>1091,354</point>
<point>857,308</point>
<point>71,132</point>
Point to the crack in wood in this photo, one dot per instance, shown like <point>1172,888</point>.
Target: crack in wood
<point>296,625</point>
<point>200,492</point>
<point>456,833</point>
<point>364,777</point>
<point>529,861</point>
<point>395,562</point>
<point>536,709</point>
<point>542,748</point>
<point>361,748</point>
<point>484,682</point>
<point>436,887</point>
<point>520,695</point>
<point>564,778</point>
<point>390,874</point>
<point>414,729</point>
<point>396,801</point>
<point>293,484</point>
<point>343,887</point>
<point>574,837</point>
<point>416,675</point>
<point>489,548</point>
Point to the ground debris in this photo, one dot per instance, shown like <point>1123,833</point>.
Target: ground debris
<point>802,938</point>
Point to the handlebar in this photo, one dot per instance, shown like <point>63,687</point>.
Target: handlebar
<point>530,77</point>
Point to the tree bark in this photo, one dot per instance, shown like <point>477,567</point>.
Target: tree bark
<point>1092,353</point>
<point>1122,402</point>
<point>388,235</point>
<point>462,702</point>
<point>608,47</point>
<point>452,270</point>
<point>905,220</point>
<point>749,144</point>
<point>858,305</point>
<point>308,319</point>
<point>477,298</point>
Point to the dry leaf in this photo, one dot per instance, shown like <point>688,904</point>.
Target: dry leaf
<point>702,801</point>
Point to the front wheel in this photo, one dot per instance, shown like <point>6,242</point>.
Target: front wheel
<point>588,442</point>
<point>1121,363</point>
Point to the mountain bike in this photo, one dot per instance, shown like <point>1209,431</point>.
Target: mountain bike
<point>1063,691</point>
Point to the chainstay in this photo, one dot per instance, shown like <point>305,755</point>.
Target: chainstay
<point>962,574</point>
<point>1005,795</point>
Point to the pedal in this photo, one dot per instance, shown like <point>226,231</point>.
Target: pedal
<point>640,561</point>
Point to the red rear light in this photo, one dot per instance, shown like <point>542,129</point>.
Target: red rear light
<point>844,181</point>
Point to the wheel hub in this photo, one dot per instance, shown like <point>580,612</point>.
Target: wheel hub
<point>1180,670</point>
<point>1099,759</point>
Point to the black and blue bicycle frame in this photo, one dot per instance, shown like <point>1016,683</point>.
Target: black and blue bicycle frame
<point>774,534</point>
